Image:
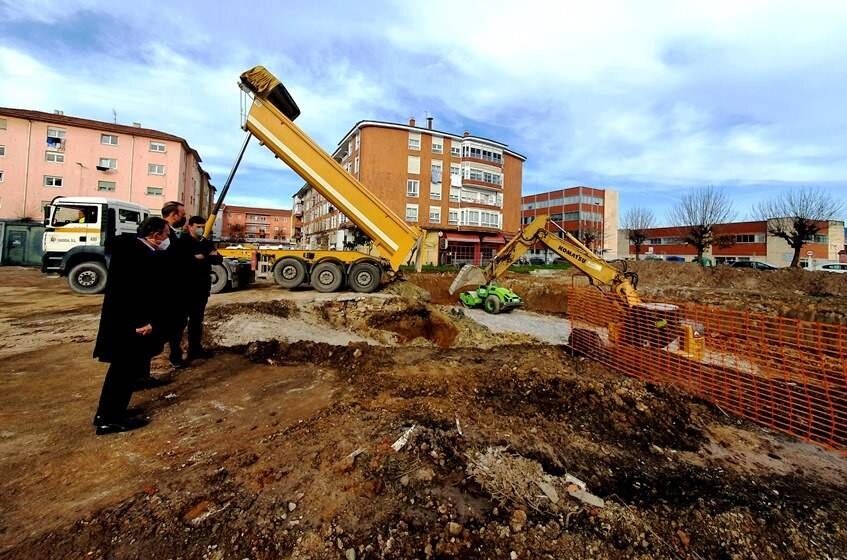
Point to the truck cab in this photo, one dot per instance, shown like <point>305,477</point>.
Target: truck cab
<point>77,232</point>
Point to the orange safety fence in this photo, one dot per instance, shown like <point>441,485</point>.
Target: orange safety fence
<point>785,374</point>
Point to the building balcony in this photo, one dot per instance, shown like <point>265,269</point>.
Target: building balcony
<point>479,183</point>
<point>485,160</point>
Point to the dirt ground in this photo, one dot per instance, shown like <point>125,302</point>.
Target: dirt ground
<point>289,442</point>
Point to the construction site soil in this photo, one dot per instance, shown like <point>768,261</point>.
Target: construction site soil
<point>388,426</point>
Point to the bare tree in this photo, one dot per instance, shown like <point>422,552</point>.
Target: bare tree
<point>698,212</point>
<point>797,215</point>
<point>236,232</point>
<point>590,235</point>
<point>636,222</point>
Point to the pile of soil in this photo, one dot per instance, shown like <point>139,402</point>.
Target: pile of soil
<point>344,483</point>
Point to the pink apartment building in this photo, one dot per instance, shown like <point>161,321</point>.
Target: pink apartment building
<point>45,155</point>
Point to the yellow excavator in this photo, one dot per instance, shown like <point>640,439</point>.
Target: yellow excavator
<point>644,324</point>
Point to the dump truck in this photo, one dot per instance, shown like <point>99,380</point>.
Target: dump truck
<point>270,119</point>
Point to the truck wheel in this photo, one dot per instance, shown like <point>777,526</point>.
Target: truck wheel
<point>492,304</point>
<point>364,277</point>
<point>327,277</point>
<point>289,273</point>
<point>88,278</point>
<point>220,278</point>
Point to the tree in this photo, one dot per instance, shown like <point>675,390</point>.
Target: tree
<point>797,216</point>
<point>636,222</point>
<point>698,212</point>
<point>590,235</point>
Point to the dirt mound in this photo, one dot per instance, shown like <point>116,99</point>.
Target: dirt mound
<point>416,322</point>
<point>408,290</point>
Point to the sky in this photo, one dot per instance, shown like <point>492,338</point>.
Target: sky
<point>650,98</point>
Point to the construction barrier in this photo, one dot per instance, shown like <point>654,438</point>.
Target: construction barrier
<point>785,374</point>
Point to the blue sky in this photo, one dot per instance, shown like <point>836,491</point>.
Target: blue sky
<point>649,98</point>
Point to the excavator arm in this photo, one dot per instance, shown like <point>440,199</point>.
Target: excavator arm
<point>568,247</point>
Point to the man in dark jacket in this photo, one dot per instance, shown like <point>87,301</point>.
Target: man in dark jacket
<point>133,321</point>
<point>198,282</point>
<point>173,213</point>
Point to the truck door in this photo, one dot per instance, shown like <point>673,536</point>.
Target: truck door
<point>73,224</point>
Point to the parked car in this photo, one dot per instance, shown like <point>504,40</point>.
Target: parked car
<point>833,267</point>
<point>537,261</point>
<point>758,265</point>
<point>558,260</point>
<point>674,258</point>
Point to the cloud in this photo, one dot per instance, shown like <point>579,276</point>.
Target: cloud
<point>653,96</point>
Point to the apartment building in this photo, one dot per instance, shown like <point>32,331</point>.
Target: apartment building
<point>463,190</point>
<point>255,224</point>
<point>750,241</point>
<point>588,213</point>
<point>45,155</point>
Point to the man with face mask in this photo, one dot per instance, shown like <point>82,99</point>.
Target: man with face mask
<point>133,321</point>
<point>174,214</point>
<point>198,281</point>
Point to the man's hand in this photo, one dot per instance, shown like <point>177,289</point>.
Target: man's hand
<point>215,252</point>
<point>199,256</point>
<point>145,330</point>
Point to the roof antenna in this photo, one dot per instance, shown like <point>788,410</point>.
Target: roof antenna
<point>114,116</point>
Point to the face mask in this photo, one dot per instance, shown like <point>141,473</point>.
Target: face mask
<point>198,232</point>
<point>179,223</point>
<point>163,246</point>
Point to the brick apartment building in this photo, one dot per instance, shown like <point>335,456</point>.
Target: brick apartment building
<point>256,224</point>
<point>463,190</point>
<point>588,213</point>
<point>45,155</point>
<point>751,242</point>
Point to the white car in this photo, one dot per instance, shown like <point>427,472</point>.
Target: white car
<point>832,267</point>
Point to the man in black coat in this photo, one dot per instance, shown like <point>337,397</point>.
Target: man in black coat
<point>133,321</point>
<point>198,282</point>
<point>173,213</point>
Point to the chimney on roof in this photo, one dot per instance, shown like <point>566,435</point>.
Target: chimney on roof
<point>136,124</point>
<point>58,112</point>
<point>429,122</point>
<point>467,133</point>
<point>411,121</point>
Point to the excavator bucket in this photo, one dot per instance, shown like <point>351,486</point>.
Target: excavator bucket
<point>468,275</point>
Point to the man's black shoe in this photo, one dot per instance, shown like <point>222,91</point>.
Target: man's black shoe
<point>124,425</point>
<point>179,364</point>
<point>130,412</point>
<point>148,383</point>
<point>200,354</point>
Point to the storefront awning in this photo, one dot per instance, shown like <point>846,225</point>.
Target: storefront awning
<point>464,237</point>
<point>496,239</point>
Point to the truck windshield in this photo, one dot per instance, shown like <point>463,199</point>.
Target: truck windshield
<point>74,214</point>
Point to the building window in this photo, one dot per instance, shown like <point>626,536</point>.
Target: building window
<point>454,194</point>
<point>453,217</point>
<point>109,139</point>
<point>155,191</point>
<point>414,166</point>
<point>437,145</point>
<point>414,140</point>
<point>54,157</point>
<point>356,165</point>
<point>106,186</point>
<point>435,171</point>
<point>51,181</point>
<point>2,151</point>
<point>435,192</point>
<point>455,151</point>
<point>2,124</point>
<point>411,212</point>
<point>413,188</point>
<point>155,169</point>
<point>357,141</point>
<point>55,138</point>
<point>158,147</point>
<point>2,174</point>
<point>108,163</point>
<point>435,214</point>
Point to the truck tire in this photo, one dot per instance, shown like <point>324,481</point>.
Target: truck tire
<point>220,278</point>
<point>364,277</point>
<point>492,304</point>
<point>327,277</point>
<point>88,278</point>
<point>289,273</point>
